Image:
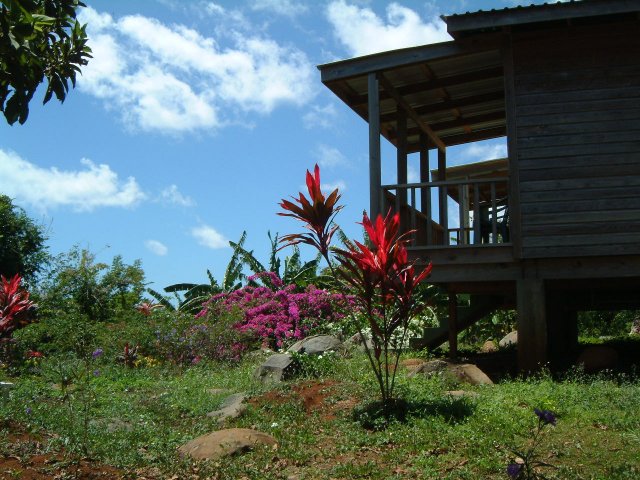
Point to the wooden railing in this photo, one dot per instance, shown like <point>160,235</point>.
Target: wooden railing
<point>481,211</point>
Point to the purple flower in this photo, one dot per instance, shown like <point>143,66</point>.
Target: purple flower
<point>28,410</point>
<point>96,373</point>
<point>96,353</point>
<point>545,416</point>
<point>514,469</point>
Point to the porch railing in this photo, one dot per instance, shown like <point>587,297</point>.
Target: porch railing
<point>469,212</point>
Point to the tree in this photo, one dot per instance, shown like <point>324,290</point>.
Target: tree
<point>38,39</point>
<point>22,249</point>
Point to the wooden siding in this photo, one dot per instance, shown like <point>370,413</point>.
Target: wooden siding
<point>577,105</point>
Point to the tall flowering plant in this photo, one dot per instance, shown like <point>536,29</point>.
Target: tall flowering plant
<point>380,275</point>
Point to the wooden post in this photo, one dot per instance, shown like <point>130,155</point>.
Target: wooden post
<point>401,148</point>
<point>375,169</point>
<point>453,326</point>
<point>443,203</point>
<point>532,324</point>
<point>425,192</point>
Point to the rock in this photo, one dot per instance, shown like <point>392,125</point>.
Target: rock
<point>489,347</point>
<point>316,345</point>
<point>222,443</point>
<point>428,368</point>
<point>412,363</point>
<point>598,357</point>
<point>278,367</point>
<point>232,407</point>
<point>509,339</point>
<point>635,327</point>
<point>469,373</point>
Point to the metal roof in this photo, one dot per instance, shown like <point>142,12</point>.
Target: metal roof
<point>482,21</point>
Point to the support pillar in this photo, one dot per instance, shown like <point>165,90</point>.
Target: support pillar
<point>375,169</point>
<point>442,192</point>
<point>453,326</point>
<point>425,192</point>
<point>532,324</point>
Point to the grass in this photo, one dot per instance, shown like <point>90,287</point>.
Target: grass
<point>138,417</point>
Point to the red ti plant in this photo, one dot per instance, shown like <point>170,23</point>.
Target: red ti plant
<point>380,275</point>
<point>14,306</point>
<point>384,283</point>
<point>317,214</point>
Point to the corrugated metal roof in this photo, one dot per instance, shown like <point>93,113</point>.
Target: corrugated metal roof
<point>482,21</point>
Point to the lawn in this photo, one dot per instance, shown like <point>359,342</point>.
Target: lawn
<point>133,420</point>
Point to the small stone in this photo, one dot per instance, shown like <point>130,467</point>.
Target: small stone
<point>232,407</point>
<point>469,373</point>
<point>428,368</point>
<point>277,368</point>
<point>489,347</point>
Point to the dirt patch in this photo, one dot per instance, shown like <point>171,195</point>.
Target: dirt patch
<point>322,397</point>
<point>25,457</point>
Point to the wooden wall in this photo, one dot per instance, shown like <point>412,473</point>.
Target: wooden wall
<point>577,105</point>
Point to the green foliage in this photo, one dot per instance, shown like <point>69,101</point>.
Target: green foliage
<point>494,326</point>
<point>604,323</point>
<point>101,292</point>
<point>39,40</point>
<point>22,249</point>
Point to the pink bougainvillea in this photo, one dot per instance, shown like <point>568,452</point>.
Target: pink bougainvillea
<point>276,316</point>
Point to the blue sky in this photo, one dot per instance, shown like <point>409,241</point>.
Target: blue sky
<point>195,118</point>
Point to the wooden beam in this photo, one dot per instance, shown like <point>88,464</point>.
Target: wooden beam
<point>453,326</point>
<point>442,193</point>
<point>401,152</point>
<point>425,193</point>
<point>375,168</point>
<point>402,103</point>
<point>532,324</point>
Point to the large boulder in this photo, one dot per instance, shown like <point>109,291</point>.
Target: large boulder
<point>232,407</point>
<point>223,443</point>
<point>635,327</point>
<point>509,339</point>
<point>316,345</point>
<point>276,368</point>
<point>489,347</point>
<point>598,357</point>
<point>428,368</point>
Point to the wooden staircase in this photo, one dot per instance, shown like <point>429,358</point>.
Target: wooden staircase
<point>479,306</point>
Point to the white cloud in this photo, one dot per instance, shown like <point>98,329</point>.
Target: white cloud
<point>170,78</point>
<point>171,194</point>
<point>209,237</point>
<point>478,152</point>
<point>363,32</point>
<point>83,190</point>
<point>154,246</point>
<point>286,8</point>
<point>320,117</point>
<point>330,187</point>
<point>329,157</point>
<point>413,175</point>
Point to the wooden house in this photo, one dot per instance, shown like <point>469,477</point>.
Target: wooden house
<point>552,229</point>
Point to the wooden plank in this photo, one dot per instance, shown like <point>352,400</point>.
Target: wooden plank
<point>570,161</point>
<point>603,228</point>
<point>611,240</point>
<point>580,217</point>
<point>579,194</point>
<point>580,183</point>
<point>401,154</point>
<point>577,101</point>
<point>583,149</point>
<point>584,122</point>
<point>577,79</point>
<point>586,250</point>
<point>443,210</point>
<point>585,171</point>
<point>593,205</point>
<point>595,263</point>
<point>627,134</point>
<point>606,114</point>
